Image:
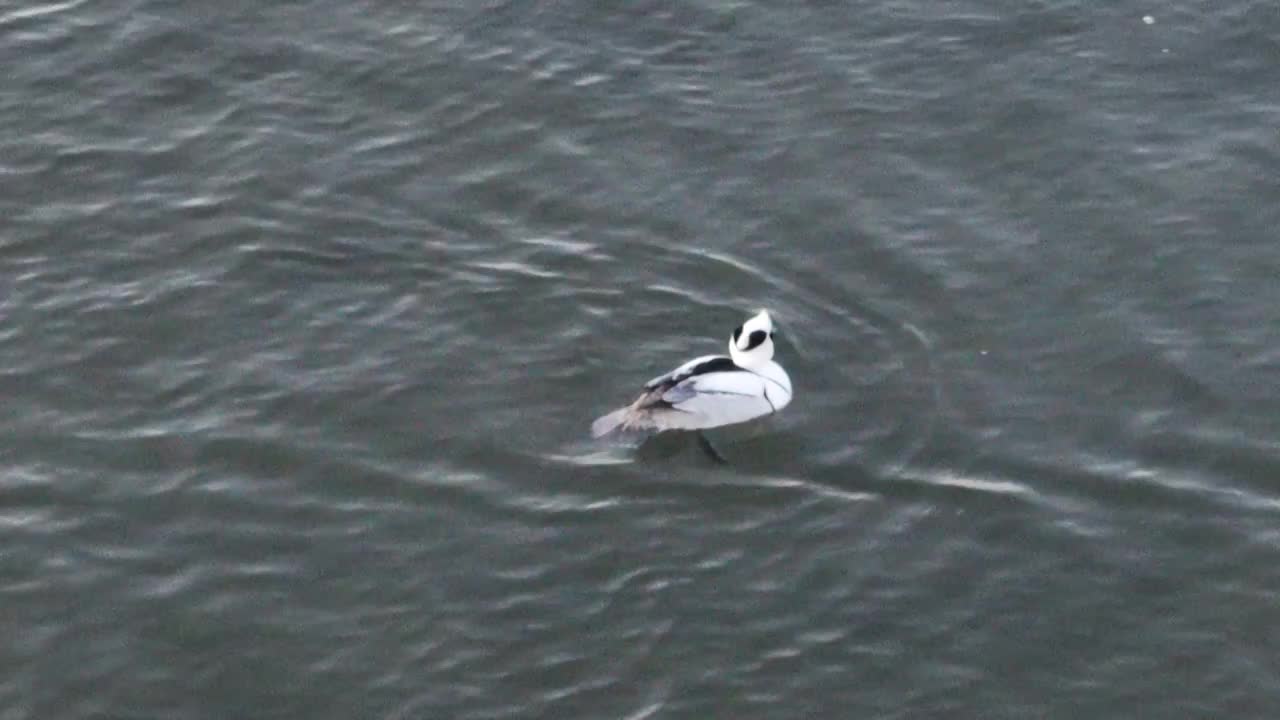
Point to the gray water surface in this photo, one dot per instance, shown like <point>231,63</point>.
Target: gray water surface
<point>305,308</point>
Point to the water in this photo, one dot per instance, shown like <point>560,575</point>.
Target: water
<point>306,308</point>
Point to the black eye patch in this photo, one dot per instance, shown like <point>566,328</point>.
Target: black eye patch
<point>756,337</point>
<point>737,333</point>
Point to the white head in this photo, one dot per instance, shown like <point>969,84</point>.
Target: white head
<point>751,344</point>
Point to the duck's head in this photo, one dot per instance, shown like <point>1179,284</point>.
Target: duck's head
<point>752,342</point>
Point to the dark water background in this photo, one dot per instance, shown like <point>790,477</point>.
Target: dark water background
<point>305,308</point>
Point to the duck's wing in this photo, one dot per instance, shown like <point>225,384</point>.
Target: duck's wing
<point>705,392</point>
<point>720,397</point>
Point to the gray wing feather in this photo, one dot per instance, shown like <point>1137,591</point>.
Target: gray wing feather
<point>680,392</point>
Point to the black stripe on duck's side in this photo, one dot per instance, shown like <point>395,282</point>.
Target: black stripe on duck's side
<point>719,364</point>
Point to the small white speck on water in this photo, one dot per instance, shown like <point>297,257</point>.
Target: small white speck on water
<point>1148,19</point>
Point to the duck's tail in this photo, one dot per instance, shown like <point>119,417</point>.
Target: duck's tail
<point>606,424</point>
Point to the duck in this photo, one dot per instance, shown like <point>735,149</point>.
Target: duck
<point>712,390</point>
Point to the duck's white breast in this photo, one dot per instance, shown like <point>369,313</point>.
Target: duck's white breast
<point>777,385</point>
